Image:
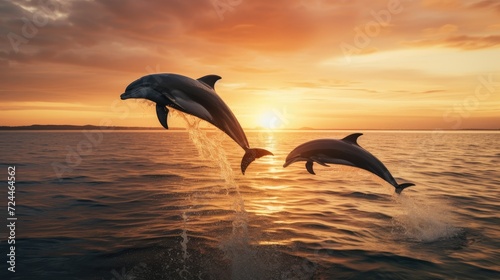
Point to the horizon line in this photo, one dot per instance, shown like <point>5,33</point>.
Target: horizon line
<point>97,127</point>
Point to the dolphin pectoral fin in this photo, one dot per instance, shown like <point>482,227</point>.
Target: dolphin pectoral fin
<point>184,103</point>
<point>319,159</point>
<point>311,161</point>
<point>321,163</point>
<point>342,162</point>
<point>251,155</point>
<point>210,80</point>
<point>352,139</point>
<point>403,186</point>
<point>309,167</point>
<point>172,98</point>
<point>162,113</point>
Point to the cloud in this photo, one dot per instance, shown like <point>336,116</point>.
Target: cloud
<point>119,35</point>
<point>439,31</point>
<point>463,42</point>
<point>433,91</point>
<point>86,52</point>
<point>473,42</point>
<point>487,4</point>
<point>442,4</point>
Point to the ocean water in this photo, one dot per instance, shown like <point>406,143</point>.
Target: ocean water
<point>174,205</point>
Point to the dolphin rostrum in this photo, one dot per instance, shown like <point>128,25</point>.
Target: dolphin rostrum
<point>344,151</point>
<point>193,97</point>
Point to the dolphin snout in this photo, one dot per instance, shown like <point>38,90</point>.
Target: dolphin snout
<point>124,95</point>
<point>133,93</point>
<point>289,161</point>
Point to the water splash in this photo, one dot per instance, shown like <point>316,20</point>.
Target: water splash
<point>185,239</point>
<point>424,221</point>
<point>236,248</point>
<point>211,149</point>
<point>185,255</point>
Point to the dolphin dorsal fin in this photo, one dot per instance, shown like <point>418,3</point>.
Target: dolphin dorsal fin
<point>352,138</point>
<point>210,80</point>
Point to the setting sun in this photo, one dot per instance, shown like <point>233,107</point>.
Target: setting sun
<point>274,119</point>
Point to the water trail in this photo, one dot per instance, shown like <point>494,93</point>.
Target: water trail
<point>210,148</point>
<point>243,259</point>
<point>185,255</point>
<point>185,238</point>
<point>424,221</point>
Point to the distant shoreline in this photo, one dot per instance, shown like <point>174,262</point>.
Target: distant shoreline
<point>95,127</point>
<point>78,127</point>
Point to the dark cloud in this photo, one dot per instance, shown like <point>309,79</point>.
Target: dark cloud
<point>487,4</point>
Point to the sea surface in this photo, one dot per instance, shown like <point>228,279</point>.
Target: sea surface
<point>174,205</point>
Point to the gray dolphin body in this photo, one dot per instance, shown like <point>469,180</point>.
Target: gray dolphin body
<point>194,97</point>
<point>344,151</point>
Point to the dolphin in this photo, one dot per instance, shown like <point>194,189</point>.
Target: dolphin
<point>193,97</point>
<point>344,151</point>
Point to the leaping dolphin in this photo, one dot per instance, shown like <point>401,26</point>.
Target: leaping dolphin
<point>344,151</point>
<point>194,97</point>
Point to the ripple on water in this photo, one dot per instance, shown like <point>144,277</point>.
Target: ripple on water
<point>339,224</point>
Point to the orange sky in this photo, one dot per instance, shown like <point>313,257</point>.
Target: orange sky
<point>378,64</point>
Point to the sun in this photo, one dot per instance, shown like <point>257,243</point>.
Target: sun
<point>271,120</point>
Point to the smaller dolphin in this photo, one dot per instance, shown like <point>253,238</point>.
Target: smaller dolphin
<point>344,151</point>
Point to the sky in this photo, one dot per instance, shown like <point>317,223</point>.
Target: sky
<point>336,64</point>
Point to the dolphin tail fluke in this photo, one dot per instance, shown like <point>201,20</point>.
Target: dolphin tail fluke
<point>403,186</point>
<point>251,155</point>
